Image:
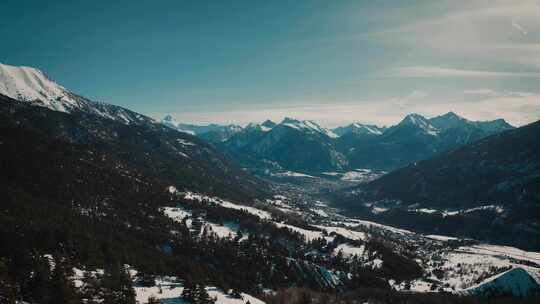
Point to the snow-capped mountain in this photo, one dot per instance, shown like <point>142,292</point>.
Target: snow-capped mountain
<point>213,133</point>
<point>30,85</point>
<point>359,129</point>
<point>33,101</point>
<point>415,138</point>
<point>199,129</point>
<point>307,126</point>
<point>413,123</point>
<point>292,144</point>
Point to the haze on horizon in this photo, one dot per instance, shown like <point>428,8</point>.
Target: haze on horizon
<point>334,62</point>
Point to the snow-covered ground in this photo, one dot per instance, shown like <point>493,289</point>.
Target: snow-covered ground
<point>170,291</point>
<point>292,174</point>
<point>445,213</point>
<point>226,204</point>
<point>348,250</point>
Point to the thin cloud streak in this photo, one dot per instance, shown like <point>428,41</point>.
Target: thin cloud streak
<point>429,71</point>
<point>519,27</point>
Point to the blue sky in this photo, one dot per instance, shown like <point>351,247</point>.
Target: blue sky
<point>332,61</point>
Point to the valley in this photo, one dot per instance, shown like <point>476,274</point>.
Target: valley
<point>106,205</point>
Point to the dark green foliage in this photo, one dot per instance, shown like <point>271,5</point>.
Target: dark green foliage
<point>117,284</point>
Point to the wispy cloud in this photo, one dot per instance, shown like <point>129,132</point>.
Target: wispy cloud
<point>430,71</point>
<point>518,108</point>
<point>519,27</point>
<point>482,30</point>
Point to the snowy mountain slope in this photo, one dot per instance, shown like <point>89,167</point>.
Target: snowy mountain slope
<point>516,282</point>
<point>307,126</point>
<point>211,132</point>
<point>30,85</point>
<point>414,123</point>
<point>358,128</point>
<point>291,145</point>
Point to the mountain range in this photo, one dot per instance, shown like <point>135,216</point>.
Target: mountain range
<point>305,146</point>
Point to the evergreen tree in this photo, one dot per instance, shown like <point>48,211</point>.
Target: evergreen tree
<point>202,295</point>
<point>62,289</point>
<point>8,291</point>
<point>118,286</point>
<point>188,292</point>
<point>38,287</point>
<point>153,300</point>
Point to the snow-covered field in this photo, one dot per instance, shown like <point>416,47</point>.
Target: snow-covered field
<point>169,291</point>
<point>226,204</point>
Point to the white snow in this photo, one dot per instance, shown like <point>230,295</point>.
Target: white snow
<point>505,251</point>
<point>356,222</point>
<point>185,142</point>
<point>369,129</point>
<point>441,237</point>
<point>360,175</point>
<point>445,213</point>
<point>422,123</point>
<point>348,233</point>
<point>168,288</point>
<point>30,84</point>
<point>226,204</point>
<point>221,231</point>
<point>177,214</point>
<point>320,212</point>
<point>310,235</point>
<point>308,126</point>
<point>292,174</point>
<point>377,210</point>
<point>349,250</point>
<point>172,189</point>
<point>331,173</point>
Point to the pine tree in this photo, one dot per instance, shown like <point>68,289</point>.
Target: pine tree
<point>8,290</point>
<point>153,300</point>
<point>118,286</point>
<point>188,292</point>
<point>202,296</point>
<point>62,289</point>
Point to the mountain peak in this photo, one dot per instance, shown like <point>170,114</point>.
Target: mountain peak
<point>452,115</point>
<point>32,85</point>
<point>307,126</point>
<point>290,120</point>
<point>496,125</point>
<point>268,123</point>
<point>413,118</point>
<point>359,129</point>
<point>420,122</point>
